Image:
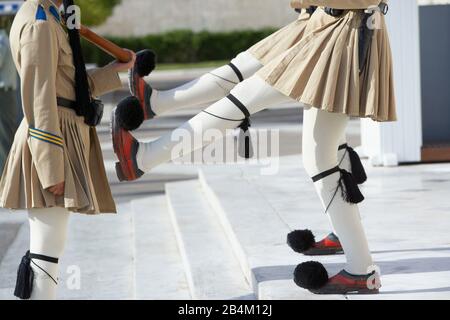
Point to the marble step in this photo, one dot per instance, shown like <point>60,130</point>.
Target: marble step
<point>99,254</point>
<point>158,267</point>
<point>257,233</point>
<point>212,269</point>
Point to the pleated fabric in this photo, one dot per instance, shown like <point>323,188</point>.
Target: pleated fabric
<point>86,185</point>
<point>277,43</point>
<point>322,69</point>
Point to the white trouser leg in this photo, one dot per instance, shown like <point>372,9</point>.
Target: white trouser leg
<point>48,233</point>
<point>254,93</point>
<point>322,132</point>
<point>208,88</point>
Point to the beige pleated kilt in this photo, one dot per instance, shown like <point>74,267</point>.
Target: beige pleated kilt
<point>322,69</point>
<point>277,43</point>
<point>86,185</point>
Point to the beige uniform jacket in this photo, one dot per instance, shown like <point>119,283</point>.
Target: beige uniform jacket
<point>43,58</point>
<point>337,4</point>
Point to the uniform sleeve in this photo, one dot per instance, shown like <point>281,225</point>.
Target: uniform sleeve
<point>337,4</point>
<point>103,80</point>
<point>39,61</point>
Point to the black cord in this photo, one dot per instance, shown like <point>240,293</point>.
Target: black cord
<point>56,282</point>
<point>332,199</point>
<point>342,160</point>
<point>222,78</point>
<point>222,118</point>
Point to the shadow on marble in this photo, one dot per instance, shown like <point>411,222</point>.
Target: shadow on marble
<point>413,250</point>
<point>430,290</point>
<point>403,266</point>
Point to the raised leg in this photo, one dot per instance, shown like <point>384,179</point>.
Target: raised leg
<point>253,94</point>
<point>209,88</point>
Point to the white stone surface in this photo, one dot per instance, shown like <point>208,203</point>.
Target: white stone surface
<point>101,248</point>
<point>159,272</point>
<point>257,232</point>
<point>406,215</point>
<point>211,267</point>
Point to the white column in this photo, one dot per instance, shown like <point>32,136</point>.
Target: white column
<point>391,143</point>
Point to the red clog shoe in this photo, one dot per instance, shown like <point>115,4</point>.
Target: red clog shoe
<point>314,277</point>
<point>138,87</point>
<point>303,241</point>
<point>126,148</point>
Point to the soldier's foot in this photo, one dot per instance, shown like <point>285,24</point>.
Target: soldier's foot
<point>126,148</point>
<point>314,277</point>
<point>141,89</point>
<point>303,241</point>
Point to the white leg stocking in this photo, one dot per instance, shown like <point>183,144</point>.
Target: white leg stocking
<point>321,138</point>
<point>254,94</point>
<point>48,233</point>
<point>208,88</point>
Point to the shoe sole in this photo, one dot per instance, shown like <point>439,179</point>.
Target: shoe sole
<point>323,252</point>
<point>347,291</point>
<point>140,91</point>
<point>122,171</point>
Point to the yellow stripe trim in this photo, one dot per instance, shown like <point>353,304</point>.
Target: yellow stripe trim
<point>46,135</point>
<point>34,135</point>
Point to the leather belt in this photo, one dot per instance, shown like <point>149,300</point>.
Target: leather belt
<point>383,6</point>
<point>310,10</point>
<point>66,103</point>
<point>333,12</point>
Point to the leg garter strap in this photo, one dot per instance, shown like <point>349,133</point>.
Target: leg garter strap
<point>244,136</point>
<point>346,183</point>
<point>25,274</point>
<point>43,258</point>
<point>237,71</point>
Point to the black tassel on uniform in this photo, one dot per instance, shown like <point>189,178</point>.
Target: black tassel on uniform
<point>358,172</point>
<point>25,277</point>
<point>349,188</point>
<point>245,141</point>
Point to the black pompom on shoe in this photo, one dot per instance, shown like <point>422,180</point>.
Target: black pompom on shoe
<point>301,240</point>
<point>129,114</point>
<point>310,275</point>
<point>145,62</point>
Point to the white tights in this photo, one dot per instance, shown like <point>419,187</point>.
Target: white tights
<point>208,88</point>
<point>321,137</point>
<point>48,233</point>
<point>212,87</point>
<point>322,134</point>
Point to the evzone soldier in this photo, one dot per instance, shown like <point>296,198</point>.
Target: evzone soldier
<point>338,67</point>
<point>217,84</point>
<point>55,165</point>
